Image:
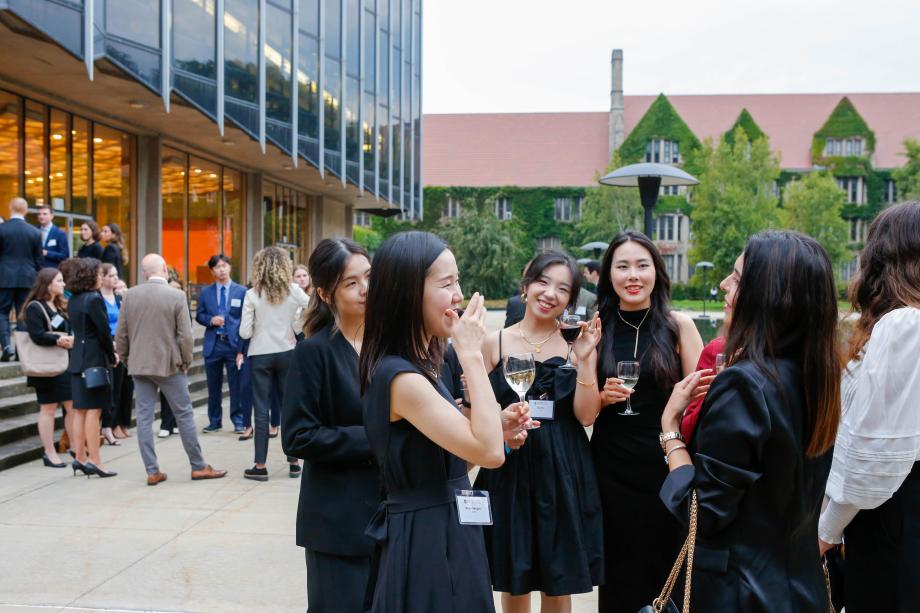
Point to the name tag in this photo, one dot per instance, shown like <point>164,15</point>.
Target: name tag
<point>51,243</point>
<point>57,321</point>
<point>541,409</point>
<point>473,507</point>
<point>235,302</point>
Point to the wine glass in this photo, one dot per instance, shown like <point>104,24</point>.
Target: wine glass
<point>519,370</point>
<point>720,362</point>
<point>629,373</point>
<point>570,327</point>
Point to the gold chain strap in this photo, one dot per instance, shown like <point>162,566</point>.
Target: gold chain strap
<point>827,584</point>
<point>686,552</point>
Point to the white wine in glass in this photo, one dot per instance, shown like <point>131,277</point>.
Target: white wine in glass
<point>629,373</point>
<point>519,370</point>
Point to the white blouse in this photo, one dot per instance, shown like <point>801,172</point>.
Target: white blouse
<point>878,440</point>
<point>272,326</point>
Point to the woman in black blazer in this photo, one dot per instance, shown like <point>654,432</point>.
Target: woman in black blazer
<point>93,347</point>
<point>322,423</point>
<point>90,234</point>
<point>115,247</point>
<point>760,450</point>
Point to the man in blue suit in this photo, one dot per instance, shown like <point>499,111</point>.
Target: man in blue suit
<point>20,261</point>
<point>220,307</point>
<point>54,241</point>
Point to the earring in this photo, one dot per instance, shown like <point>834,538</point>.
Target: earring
<point>524,298</point>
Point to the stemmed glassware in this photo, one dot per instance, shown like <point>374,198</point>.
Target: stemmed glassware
<point>519,370</point>
<point>720,362</point>
<point>629,373</point>
<point>570,327</point>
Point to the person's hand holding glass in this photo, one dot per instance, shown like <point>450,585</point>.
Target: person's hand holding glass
<point>519,370</point>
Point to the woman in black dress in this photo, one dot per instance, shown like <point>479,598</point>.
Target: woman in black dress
<point>641,539</point>
<point>548,529</point>
<point>114,252</point>
<point>93,347</point>
<point>760,450</point>
<point>90,235</point>
<point>45,316</point>
<point>428,560</point>
<point>322,424</point>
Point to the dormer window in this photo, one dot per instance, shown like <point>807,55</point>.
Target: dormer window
<point>839,147</point>
<point>662,151</point>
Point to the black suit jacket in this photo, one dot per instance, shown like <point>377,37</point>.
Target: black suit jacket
<point>20,254</point>
<point>322,423</point>
<point>92,341</point>
<point>759,496</point>
<point>112,255</point>
<point>514,310</point>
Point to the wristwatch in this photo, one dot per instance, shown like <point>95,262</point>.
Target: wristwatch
<point>664,437</point>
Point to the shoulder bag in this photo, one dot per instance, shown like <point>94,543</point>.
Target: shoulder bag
<point>664,604</point>
<point>94,377</point>
<point>39,360</point>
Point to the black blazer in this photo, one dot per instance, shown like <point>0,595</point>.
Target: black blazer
<point>90,251</point>
<point>112,255</point>
<point>92,342</point>
<point>20,254</point>
<point>759,496</point>
<point>322,423</point>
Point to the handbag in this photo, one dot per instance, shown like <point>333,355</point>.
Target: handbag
<point>94,377</point>
<point>39,360</point>
<point>664,604</point>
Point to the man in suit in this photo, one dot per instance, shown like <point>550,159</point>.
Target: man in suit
<point>20,261</point>
<point>220,307</point>
<point>54,241</point>
<point>155,323</point>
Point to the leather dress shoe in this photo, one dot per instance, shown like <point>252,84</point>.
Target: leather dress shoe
<point>208,472</point>
<point>155,478</point>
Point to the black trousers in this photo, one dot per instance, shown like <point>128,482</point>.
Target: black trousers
<point>11,298</point>
<point>119,413</point>
<point>336,584</point>
<point>269,372</point>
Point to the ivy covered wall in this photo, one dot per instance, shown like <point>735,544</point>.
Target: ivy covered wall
<point>661,121</point>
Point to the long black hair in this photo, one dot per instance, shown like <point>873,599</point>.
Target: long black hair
<point>787,306</point>
<point>394,321</point>
<point>326,266</point>
<point>552,258</point>
<point>665,334</point>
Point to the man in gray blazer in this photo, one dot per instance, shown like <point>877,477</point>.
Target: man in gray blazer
<point>154,321</point>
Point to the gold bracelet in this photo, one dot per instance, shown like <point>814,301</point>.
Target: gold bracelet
<point>667,456</point>
<point>585,383</point>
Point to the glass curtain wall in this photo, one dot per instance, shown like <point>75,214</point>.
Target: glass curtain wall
<point>241,63</point>
<point>286,220</point>
<point>383,99</point>
<point>112,181</point>
<point>352,88</point>
<point>9,147</point>
<point>132,37</point>
<point>332,87</point>
<point>417,105</point>
<point>194,52</point>
<point>279,52</point>
<point>369,104</point>
<point>308,81</point>
<point>396,103</point>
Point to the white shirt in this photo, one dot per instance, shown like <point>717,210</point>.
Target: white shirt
<point>878,440</point>
<point>45,230</point>
<point>271,326</point>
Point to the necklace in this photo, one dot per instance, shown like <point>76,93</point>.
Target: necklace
<point>636,346</point>
<point>537,345</point>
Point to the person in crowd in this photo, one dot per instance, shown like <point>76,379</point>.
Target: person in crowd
<point>428,559</point>
<point>92,348</point>
<point>322,424</point>
<point>45,317</point>
<point>873,492</point>
<point>168,424</point>
<point>641,538</point>
<point>20,261</point>
<point>269,313</point>
<point>547,528</point>
<point>154,336</point>
<point>591,274</point>
<point>220,307</point>
<point>303,280</point>
<point>114,252</point>
<point>514,308</point>
<point>55,247</point>
<point>90,235</point>
<point>115,422</point>
<point>760,452</point>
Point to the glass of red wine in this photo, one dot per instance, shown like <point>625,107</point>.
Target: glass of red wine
<point>570,327</point>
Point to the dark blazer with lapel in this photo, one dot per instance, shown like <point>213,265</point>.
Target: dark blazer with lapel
<point>92,342</point>
<point>322,423</point>
<point>208,302</point>
<point>20,253</point>
<point>112,255</point>
<point>759,496</point>
<point>56,246</point>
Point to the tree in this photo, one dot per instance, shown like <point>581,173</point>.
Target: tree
<point>368,238</point>
<point>734,199</point>
<point>907,178</point>
<point>606,210</point>
<point>812,205</point>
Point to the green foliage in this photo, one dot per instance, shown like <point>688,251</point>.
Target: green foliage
<point>606,211</point>
<point>368,238</point>
<point>844,122</point>
<point>907,178</point>
<point>661,121</point>
<point>746,122</point>
<point>812,205</point>
<point>734,199</point>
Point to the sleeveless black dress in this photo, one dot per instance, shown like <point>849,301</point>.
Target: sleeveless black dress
<point>641,537</point>
<point>548,531</point>
<point>426,560</point>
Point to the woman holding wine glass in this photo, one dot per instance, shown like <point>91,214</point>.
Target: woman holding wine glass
<point>641,539</point>
<point>545,502</point>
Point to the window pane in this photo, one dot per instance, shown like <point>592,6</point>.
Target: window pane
<point>195,51</point>
<point>9,147</point>
<point>368,143</point>
<point>351,127</point>
<point>309,16</point>
<point>307,97</point>
<point>135,20</point>
<point>370,70</point>
<point>241,53</point>
<point>268,213</point>
<point>332,101</point>
<point>278,53</point>
<point>383,146</point>
<point>61,22</point>
<point>232,225</point>
<point>383,86</point>
<point>173,228</point>
<point>35,152</point>
<point>79,198</point>
<point>112,164</point>
<point>334,29</point>
<point>203,218</point>
<point>353,21</point>
<point>58,175</point>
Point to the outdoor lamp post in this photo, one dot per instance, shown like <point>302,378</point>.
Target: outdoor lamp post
<point>649,177</point>
<point>705,266</point>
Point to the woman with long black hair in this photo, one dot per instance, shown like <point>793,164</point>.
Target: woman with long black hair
<point>641,538</point>
<point>322,424</point>
<point>114,252</point>
<point>428,559</point>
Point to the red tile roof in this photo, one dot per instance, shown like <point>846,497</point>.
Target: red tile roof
<point>567,149</point>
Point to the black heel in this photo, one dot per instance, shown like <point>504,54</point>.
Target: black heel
<point>92,469</point>
<point>76,465</point>
<point>47,462</point>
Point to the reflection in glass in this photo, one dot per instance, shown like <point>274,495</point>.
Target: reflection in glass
<point>232,221</point>
<point>241,63</point>
<point>195,52</point>
<point>9,148</point>
<point>112,163</point>
<point>332,120</point>
<point>80,135</point>
<point>278,52</point>
<point>352,37</point>
<point>35,152</point>
<point>135,20</point>
<point>58,174</point>
<point>334,29</point>
<point>309,16</point>
<point>351,128</point>
<point>203,224</point>
<point>308,97</point>
<point>173,227</point>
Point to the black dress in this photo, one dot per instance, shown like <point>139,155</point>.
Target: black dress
<point>427,560</point>
<point>90,251</point>
<point>548,531</point>
<point>641,538</point>
<point>48,390</point>
<point>92,346</point>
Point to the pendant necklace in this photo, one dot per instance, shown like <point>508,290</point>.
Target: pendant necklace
<point>636,346</point>
<point>538,345</point>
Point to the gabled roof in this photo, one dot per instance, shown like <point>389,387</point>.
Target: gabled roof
<point>567,149</point>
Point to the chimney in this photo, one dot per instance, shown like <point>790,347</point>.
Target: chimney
<point>616,120</point>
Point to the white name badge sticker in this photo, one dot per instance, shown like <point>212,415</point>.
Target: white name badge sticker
<point>235,302</point>
<point>57,321</point>
<point>541,409</point>
<point>473,507</point>
<point>51,243</point>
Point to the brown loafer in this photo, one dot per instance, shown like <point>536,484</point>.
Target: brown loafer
<point>156,478</point>
<point>208,472</point>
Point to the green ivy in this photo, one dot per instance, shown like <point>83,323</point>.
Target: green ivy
<point>844,122</point>
<point>661,121</point>
<point>746,122</point>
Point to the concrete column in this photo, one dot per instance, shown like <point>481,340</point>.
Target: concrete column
<point>254,229</point>
<point>149,219</point>
<point>616,122</point>
<point>349,220</point>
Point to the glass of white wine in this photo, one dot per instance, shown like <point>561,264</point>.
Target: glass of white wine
<point>519,372</point>
<point>629,373</point>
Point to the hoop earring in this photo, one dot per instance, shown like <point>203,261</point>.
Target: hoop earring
<point>524,298</point>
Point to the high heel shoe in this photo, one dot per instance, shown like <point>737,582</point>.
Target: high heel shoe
<point>47,462</point>
<point>92,469</point>
<point>109,437</point>
<point>76,465</point>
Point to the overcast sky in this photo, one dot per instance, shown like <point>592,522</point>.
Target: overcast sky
<point>552,55</point>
